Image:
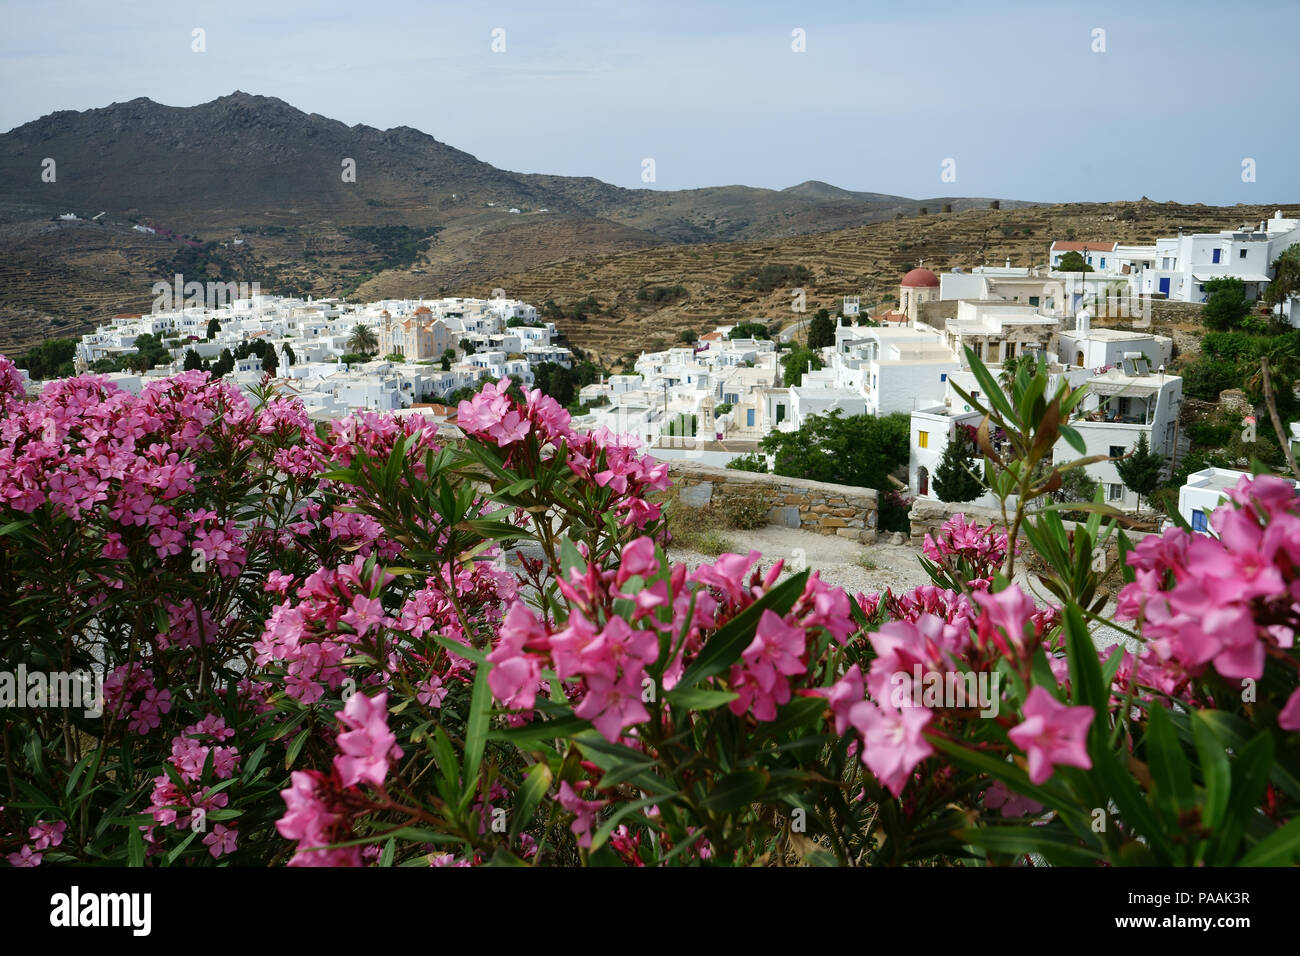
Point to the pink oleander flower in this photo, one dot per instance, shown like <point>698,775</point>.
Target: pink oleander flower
<point>843,695</point>
<point>368,746</point>
<point>1007,612</point>
<point>315,819</point>
<point>221,840</point>
<point>997,796</point>
<point>584,810</point>
<point>1052,734</point>
<point>761,679</point>
<point>611,705</point>
<point>46,835</point>
<point>638,560</point>
<point>893,744</point>
<point>1289,718</point>
<point>24,858</point>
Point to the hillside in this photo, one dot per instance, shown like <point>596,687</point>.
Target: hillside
<point>866,261</point>
<point>250,188</point>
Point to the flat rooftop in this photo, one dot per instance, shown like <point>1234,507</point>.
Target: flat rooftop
<point>1111,335</point>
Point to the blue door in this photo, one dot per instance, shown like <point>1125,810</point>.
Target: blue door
<point>1164,287</point>
<point>749,417</point>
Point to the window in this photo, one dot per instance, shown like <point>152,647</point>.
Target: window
<point>923,439</point>
<point>1115,492</point>
<point>1033,299</point>
<point>1116,451</point>
<point>943,376</point>
<point>1215,256</point>
<point>749,417</point>
<point>1103,262</point>
<point>1242,254</point>
<point>1198,521</point>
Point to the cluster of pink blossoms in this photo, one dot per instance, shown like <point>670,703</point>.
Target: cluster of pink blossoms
<point>130,694</point>
<point>605,665</point>
<point>932,647</point>
<point>43,835</point>
<point>312,637</point>
<point>173,804</point>
<point>979,550</point>
<point>600,459</point>
<point>320,807</point>
<point>1229,602</point>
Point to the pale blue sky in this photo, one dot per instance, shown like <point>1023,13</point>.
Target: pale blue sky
<point>713,92</point>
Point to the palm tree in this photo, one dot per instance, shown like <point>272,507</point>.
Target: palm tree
<point>363,340</point>
<point>1286,277</point>
<point>1280,363</point>
<point>1012,366</point>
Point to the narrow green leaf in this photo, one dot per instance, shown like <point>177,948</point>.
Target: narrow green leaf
<point>476,728</point>
<point>735,790</point>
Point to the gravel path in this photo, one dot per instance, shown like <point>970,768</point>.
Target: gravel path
<point>852,566</point>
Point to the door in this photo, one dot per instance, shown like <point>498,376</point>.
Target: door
<point>1164,287</point>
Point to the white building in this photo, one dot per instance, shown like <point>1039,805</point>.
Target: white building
<point>1121,405</point>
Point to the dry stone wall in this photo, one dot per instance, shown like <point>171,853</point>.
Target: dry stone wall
<point>825,508</point>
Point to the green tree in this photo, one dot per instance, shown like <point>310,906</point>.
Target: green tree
<point>192,360</point>
<point>795,363</point>
<point>749,330</point>
<point>1073,262</point>
<point>225,364</point>
<point>1075,486</point>
<point>466,346</point>
<point>821,330</point>
<point>1286,276</point>
<point>556,381</point>
<point>269,361</point>
<point>688,336</point>
<point>50,359</point>
<point>213,328</point>
<point>957,477</point>
<point>363,340</point>
<point>859,450</point>
<point>446,361</point>
<point>1226,304</point>
<point>1140,469</point>
<point>750,462</point>
<point>289,355</point>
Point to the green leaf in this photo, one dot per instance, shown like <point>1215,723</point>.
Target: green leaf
<point>1073,438</point>
<point>390,848</point>
<point>294,749</point>
<point>735,790</point>
<point>540,730</point>
<point>476,727</point>
<point>1279,848</point>
<point>699,698</point>
<point>1215,771</point>
<point>134,847</point>
<point>529,796</point>
<point>1058,846</point>
<point>1169,768</point>
<point>1249,779</point>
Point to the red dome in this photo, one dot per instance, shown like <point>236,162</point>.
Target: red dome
<point>920,279</point>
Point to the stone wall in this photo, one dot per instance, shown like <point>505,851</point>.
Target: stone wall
<point>792,502</point>
<point>926,516</point>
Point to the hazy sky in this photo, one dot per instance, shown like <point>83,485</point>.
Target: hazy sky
<point>714,93</point>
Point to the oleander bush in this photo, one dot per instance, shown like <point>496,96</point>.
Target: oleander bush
<point>358,644</point>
